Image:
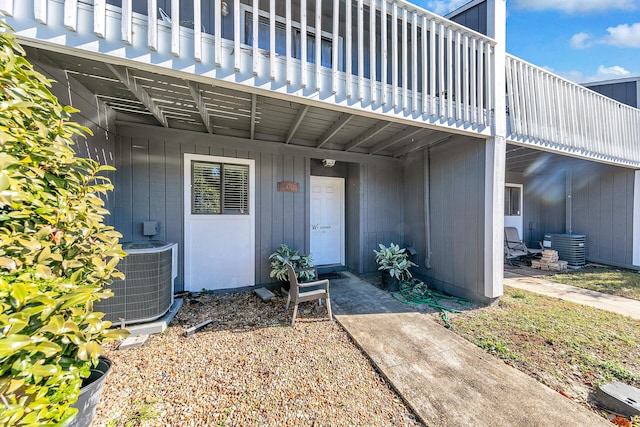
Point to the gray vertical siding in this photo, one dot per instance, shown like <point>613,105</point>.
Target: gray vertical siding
<point>456,205</point>
<point>474,17</point>
<point>93,114</point>
<point>601,207</point>
<point>149,186</point>
<point>625,92</point>
<point>603,211</point>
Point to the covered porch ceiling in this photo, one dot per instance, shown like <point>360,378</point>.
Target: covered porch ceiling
<point>142,97</point>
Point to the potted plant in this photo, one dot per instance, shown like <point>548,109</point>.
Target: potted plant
<point>285,254</point>
<point>56,253</point>
<point>394,263</point>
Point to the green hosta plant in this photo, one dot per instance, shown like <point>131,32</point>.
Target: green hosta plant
<point>285,254</point>
<point>56,253</point>
<point>395,261</point>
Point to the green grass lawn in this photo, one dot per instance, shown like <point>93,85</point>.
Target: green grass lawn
<point>570,347</point>
<point>625,283</point>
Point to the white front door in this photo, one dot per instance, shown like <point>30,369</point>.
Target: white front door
<point>219,222</point>
<point>513,207</point>
<point>327,220</point>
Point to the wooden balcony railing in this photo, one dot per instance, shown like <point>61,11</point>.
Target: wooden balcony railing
<point>550,112</point>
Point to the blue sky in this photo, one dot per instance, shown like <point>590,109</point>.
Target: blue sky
<point>582,40</point>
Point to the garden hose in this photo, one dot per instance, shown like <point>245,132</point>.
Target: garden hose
<point>416,292</point>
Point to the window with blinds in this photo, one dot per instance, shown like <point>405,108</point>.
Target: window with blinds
<point>219,188</point>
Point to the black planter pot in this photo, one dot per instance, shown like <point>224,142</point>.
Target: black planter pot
<point>90,394</point>
<point>389,283</point>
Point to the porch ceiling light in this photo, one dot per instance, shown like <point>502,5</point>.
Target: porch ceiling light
<point>224,8</point>
<point>328,163</point>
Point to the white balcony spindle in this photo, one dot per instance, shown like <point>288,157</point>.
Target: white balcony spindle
<point>272,39</point>
<point>126,31</point>
<point>175,27</point>
<point>197,30</point>
<point>432,67</point>
<point>465,79</point>
<point>360,11</point>
<point>255,33</point>
<point>318,44</point>
<point>288,35</point>
<point>152,24</point>
<point>394,54</point>
<point>480,100</point>
<point>414,62</point>
<point>6,7</point>
<point>444,93</point>
<point>405,68</point>
<point>236,36</point>
<point>99,18</point>
<point>303,43</point>
<point>372,49</point>
<point>457,95</point>
<point>425,64</point>
<point>40,11</point>
<point>349,54</point>
<point>383,54</point>
<point>217,33</point>
<point>71,16</point>
<point>335,46</point>
<point>473,95</point>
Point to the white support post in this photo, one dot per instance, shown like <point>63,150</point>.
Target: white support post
<point>495,159</point>
<point>99,18</point>
<point>71,14</point>
<point>152,24</point>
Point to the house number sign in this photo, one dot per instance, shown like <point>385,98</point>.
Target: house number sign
<point>288,187</point>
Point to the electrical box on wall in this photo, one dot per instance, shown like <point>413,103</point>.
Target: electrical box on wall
<point>150,228</point>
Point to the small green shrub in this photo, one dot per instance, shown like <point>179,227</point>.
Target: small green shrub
<point>283,255</point>
<point>56,253</point>
<point>395,261</point>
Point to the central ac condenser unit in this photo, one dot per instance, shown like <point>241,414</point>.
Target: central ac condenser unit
<point>570,247</point>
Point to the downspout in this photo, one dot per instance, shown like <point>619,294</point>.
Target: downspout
<point>427,214</point>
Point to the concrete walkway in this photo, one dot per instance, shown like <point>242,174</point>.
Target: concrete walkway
<point>445,379</point>
<point>612,303</point>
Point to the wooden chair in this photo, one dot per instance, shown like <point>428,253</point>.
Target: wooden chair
<point>297,293</point>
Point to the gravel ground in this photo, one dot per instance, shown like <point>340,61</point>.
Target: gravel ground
<point>246,368</point>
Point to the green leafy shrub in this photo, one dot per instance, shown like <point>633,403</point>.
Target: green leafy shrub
<point>283,255</point>
<point>56,253</point>
<point>395,261</point>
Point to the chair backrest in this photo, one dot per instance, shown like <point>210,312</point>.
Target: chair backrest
<point>293,277</point>
<point>512,237</point>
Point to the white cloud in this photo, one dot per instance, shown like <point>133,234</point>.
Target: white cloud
<point>624,35</point>
<point>580,41</point>
<point>602,73</point>
<point>577,6</point>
